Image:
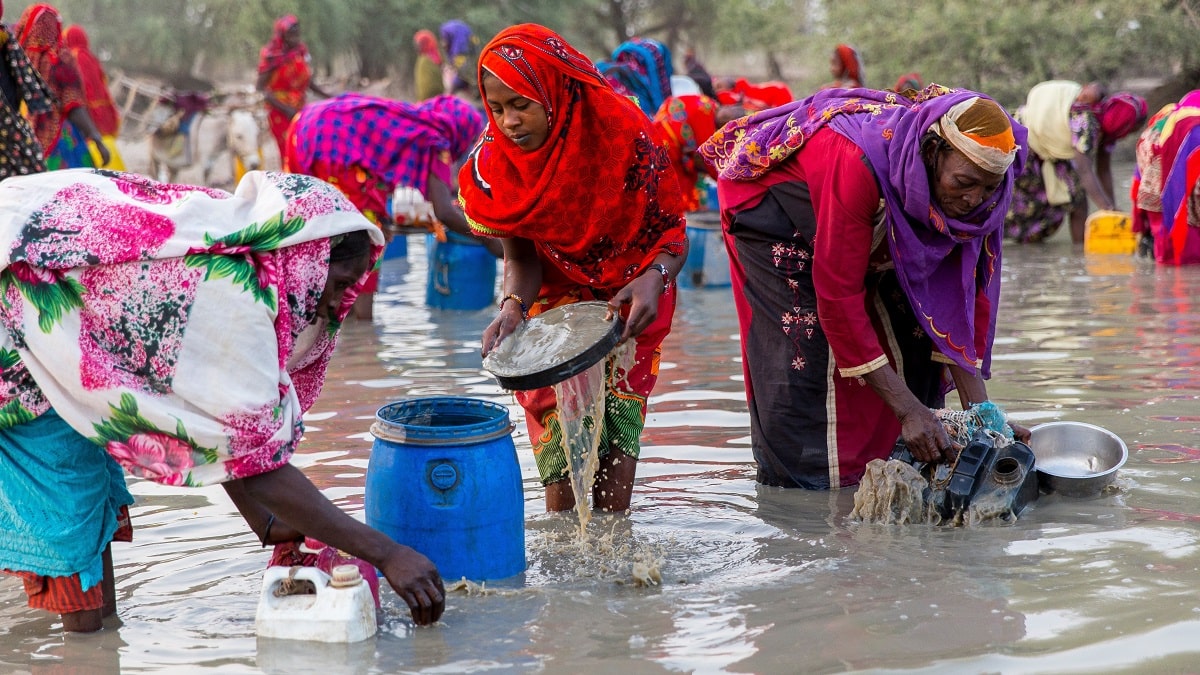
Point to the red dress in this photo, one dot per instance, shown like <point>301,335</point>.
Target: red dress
<point>289,83</point>
<point>288,80</point>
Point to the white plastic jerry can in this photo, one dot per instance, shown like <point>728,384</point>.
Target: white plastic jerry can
<point>337,608</point>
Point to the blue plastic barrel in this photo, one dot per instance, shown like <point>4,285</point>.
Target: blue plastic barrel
<point>707,262</point>
<point>462,274</point>
<point>444,479</point>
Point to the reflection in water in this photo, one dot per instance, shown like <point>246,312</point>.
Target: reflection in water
<point>754,579</point>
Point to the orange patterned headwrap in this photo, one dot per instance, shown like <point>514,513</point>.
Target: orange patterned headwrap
<point>980,129</point>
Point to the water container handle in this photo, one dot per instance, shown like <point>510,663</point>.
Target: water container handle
<point>276,575</point>
<point>317,577</point>
<point>441,274</point>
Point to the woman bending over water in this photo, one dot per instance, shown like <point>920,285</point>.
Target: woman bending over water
<point>178,333</point>
<point>864,233</point>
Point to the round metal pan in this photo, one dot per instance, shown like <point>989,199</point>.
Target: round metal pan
<point>554,346</point>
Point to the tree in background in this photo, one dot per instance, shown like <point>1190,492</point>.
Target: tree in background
<point>1001,47</point>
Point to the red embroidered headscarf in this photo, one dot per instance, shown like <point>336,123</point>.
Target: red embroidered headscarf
<point>599,198</point>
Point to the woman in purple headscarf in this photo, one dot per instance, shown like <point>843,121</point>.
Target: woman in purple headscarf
<point>462,54</point>
<point>864,234</point>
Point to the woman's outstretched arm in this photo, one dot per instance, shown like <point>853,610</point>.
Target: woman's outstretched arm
<point>288,494</point>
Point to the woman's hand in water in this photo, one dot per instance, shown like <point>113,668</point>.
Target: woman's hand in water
<point>924,435</point>
<point>642,295</point>
<point>502,326</point>
<point>416,580</point>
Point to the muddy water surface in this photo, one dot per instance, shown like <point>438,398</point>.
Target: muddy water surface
<point>753,579</point>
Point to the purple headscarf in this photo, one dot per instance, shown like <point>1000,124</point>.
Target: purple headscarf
<point>939,261</point>
<point>457,36</point>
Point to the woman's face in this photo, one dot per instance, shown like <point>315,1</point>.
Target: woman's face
<point>835,65</point>
<point>1091,94</point>
<point>522,120</point>
<point>291,36</point>
<point>959,186</point>
<point>343,274</point>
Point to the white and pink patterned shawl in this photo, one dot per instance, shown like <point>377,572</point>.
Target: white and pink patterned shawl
<point>174,325</point>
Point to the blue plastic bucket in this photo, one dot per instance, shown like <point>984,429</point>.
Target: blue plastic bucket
<point>707,262</point>
<point>444,479</point>
<point>462,274</point>
<point>397,248</point>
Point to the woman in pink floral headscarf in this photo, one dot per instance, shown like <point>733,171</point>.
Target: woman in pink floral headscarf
<point>117,299</point>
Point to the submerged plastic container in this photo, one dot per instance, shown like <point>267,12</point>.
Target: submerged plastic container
<point>462,273</point>
<point>341,608</point>
<point>444,479</point>
<point>1109,232</point>
<point>707,262</point>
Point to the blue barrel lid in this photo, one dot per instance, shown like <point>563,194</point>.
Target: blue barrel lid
<point>441,420</point>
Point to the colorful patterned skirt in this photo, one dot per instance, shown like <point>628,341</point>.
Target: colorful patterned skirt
<point>624,400</point>
<point>71,152</point>
<point>1031,218</point>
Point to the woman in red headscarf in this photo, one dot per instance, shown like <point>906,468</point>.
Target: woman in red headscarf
<point>846,68</point>
<point>284,77</point>
<point>427,73</point>
<point>683,123</point>
<point>97,97</point>
<point>568,174</point>
<point>65,129</point>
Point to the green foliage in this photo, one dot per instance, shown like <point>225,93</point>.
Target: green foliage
<point>239,267</point>
<point>13,414</point>
<point>1003,47</point>
<point>264,236</point>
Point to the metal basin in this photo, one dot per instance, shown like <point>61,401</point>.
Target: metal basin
<point>1076,459</point>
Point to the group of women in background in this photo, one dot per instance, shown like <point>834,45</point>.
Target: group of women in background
<point>446,66</point>
<point>59,112</point>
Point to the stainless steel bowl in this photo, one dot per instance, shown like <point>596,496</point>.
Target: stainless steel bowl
<point>1076,459</point>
